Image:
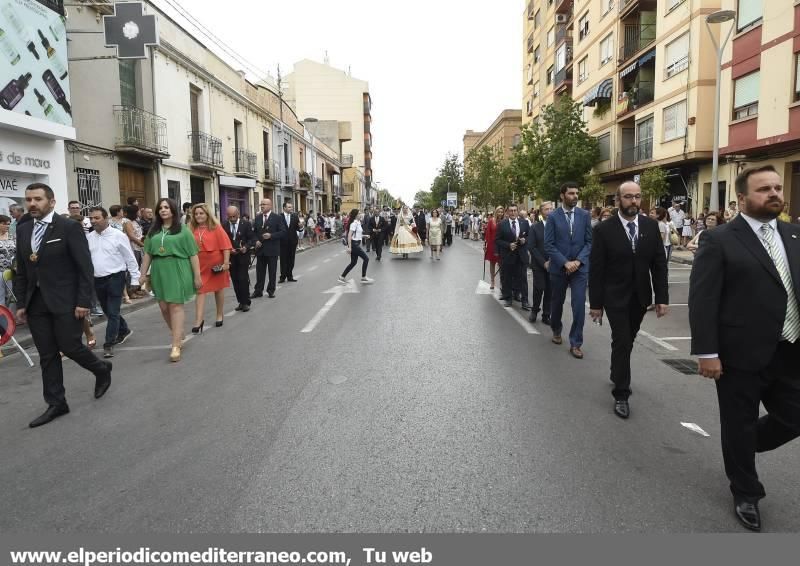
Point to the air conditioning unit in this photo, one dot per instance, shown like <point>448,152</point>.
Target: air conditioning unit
<point>561,18</point>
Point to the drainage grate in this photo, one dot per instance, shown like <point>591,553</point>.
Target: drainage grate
<point>684,366</point>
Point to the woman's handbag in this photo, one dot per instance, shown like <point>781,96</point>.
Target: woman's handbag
<point>674,238</point>
<point>217,268</point>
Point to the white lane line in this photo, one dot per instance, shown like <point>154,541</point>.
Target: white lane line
<point>312,268</point>
<point>677,338</point>
<point>483,289</point>
<point>695,428</point>
<point>678,305</point>
<point>321,314</point>
<point>326,260</point>
<point>659,341</point>
<point>678,282</point>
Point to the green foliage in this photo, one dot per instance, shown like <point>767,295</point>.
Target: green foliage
<point>593,192</point>
<point>486,178</point>
<point>653,182</point>
<point>424,199</point>
<point>555,149</point>
<point>450,177</point>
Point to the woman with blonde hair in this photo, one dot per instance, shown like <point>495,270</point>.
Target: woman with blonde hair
<point>489,250</point>
<point>214,256</point>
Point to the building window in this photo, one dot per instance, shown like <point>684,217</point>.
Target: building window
<point>537,55</point>
<point>127,82</point>
<point>745,95</point>
<point>174,192</point>
<point>797,77</point>
<point>561,57</point>
<point>536,89</point>
<point>516,140</point>
<point>607,5</point>
<point>582,72</point>
<point>604,143</point>
<point>583,26</point>
<point>537,19</point>
<point>644,140</point>
<point>89,189</point>
<point>672,4</point>
<point>677,55</point>
<point>607,49</point>
<point>675,121</point>
<point>529,107</point>
<point>550,75</point>
<point>749,13</point>
<point>551,36</point>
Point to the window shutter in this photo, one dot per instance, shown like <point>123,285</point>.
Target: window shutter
<point>749,11</point>
<point>746,90</point>
<point>678,49</point>
<point>675,121</point>
<point>797,73</point>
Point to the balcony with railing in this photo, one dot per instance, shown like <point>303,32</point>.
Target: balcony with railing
<point>642,152</point>
<point>564,6</point>
<point>245,163</point>
<point>139,131</point>
<point>531,40</point>
<point>563,79</point>
<point>627,7</point>
<point>348,188</point>
<point>206,151</point>
<point>563,33</point>
<point>531,10</point>
<point>633,98</point>
<point>635,38</point>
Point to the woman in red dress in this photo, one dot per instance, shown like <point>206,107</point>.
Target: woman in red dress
<point>214,256</point>
<point>489,251</point>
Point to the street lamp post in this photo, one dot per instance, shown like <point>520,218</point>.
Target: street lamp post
<point>717,17</point>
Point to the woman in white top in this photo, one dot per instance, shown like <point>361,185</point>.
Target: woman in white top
<point>663,227</point>
<point>355,233</point>
<point>435,235</point>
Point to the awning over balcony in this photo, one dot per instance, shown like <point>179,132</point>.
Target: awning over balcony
<point>647,57</point>
<point>629,69</point>
<point>601,91</point>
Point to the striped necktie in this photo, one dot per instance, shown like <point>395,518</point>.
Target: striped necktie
<point>791,324</point>
<point>38,234</point>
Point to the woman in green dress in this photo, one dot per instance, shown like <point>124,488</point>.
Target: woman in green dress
<point>170,254</point>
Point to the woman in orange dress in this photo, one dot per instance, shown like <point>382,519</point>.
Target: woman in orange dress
<point>489,251</point>
<point>214,256</point>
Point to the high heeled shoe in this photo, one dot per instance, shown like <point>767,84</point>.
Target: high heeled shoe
<point>198,329</point>
<point>218,323</point>
<point>175,354</point>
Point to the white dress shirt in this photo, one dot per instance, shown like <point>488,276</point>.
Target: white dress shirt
<point>111,253</point>
<point>625,225</point>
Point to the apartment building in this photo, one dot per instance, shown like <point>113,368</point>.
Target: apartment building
<point>645,72</point>
<point>184,124</point>
<point>502,135</point>
<point>318,90</point>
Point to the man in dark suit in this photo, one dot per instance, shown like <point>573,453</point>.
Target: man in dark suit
<point>422,224</point>
<point>375,226</point>
<point>289,243</point>
<point>54,286</point>
<point>627,253</point>
<point>240,233</point>
<point>510,241</point>
<point>539,262</point>
<point>568,242</point>
<point>744,312</point>
<point>269,230</point>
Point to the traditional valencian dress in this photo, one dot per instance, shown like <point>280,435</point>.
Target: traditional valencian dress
<point>405,241</point>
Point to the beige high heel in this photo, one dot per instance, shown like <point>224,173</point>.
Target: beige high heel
<point>175,354</point>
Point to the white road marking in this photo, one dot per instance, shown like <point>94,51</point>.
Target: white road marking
<point>659,341</point>
<point>678,282</point>
<point>483,289</point>
<point>695,428</point>
<point>312,268</point>
<point>326,260</point>
<point>676,338</point>
<point>337,293</point>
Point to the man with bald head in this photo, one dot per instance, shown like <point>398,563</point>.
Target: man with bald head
<point>269,229</point>
<point>627,254</point>
<point>240,232</point>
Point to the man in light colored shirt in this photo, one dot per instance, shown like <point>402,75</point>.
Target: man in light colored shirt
<point>112,256</point>
<point>676,216</point>
<point>74,208</point>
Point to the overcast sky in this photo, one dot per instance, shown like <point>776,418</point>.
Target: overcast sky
<point>435,67</point>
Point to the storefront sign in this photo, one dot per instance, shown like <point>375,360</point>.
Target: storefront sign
<point>24,160</point>
<point>237,182</point>
<point>33,61</point>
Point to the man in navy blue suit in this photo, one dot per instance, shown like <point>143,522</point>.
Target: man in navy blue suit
<point>568,242</point>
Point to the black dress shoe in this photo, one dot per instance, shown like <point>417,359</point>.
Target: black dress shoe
<point>748,514</point>
<point>545,319</point>
<point>52,412</point>
<point>271,295</point>
<point>282,280</point>
<point>256,295</point>
<point>532,317</point>
<point>622,409</point>
<point>292,280</point>
<point>239,307</point>
<point>526,307</point>
<point>245,308</point>
<point>102,382</point>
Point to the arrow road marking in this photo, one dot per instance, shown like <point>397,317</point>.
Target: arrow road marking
<point>483,289</point>
<point>337,293</point>
<point>694,428</point>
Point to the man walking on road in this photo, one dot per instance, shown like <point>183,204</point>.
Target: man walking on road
<point>240,232</point>
<point>540,262</point>
<point>627,253</point>
<point>289,243</point>
<point>744,312</point>
<point>54,287</point>
<point>510,240</point>
<point>568,242</point>
<point>269,230</point>
<point>112,256</point>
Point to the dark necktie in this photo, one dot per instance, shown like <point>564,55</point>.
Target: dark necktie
<point>632,230</point>
<point>569,219</point>
<point>514,228</point>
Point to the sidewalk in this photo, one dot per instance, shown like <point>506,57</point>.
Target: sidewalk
<point>25,340</point>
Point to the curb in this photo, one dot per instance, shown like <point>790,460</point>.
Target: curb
<point>26,341</point>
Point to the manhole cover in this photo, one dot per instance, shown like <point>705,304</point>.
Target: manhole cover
<point>684,366</point>
<point>337,379</point>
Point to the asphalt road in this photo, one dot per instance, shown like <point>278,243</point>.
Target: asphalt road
<point>417,404</point>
